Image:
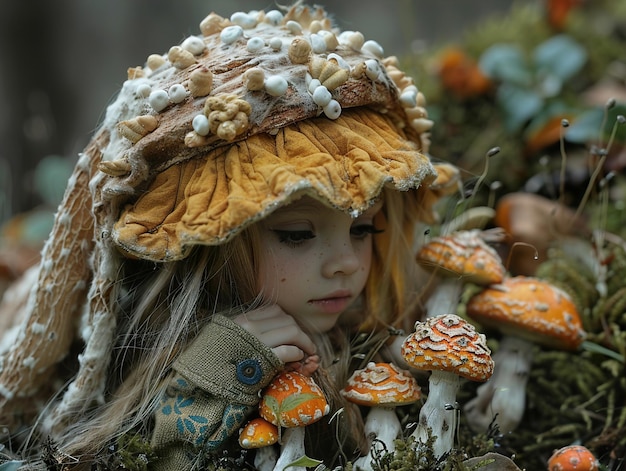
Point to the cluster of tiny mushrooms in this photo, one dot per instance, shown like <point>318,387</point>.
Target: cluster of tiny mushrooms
<point>221,82</point>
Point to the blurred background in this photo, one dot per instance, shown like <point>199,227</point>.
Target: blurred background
<point>64,60</point>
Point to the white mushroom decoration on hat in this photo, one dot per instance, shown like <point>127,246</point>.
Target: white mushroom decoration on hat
<point>149,184</point>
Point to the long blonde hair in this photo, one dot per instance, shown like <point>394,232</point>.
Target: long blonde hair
<point>162,307</point>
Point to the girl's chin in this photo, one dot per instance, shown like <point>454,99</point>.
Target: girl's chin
<point>318,323</point>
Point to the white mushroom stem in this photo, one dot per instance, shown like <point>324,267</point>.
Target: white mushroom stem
<point>265,458</point>
<point>291,449</point>
<point>439,413</point>
<point>505,393</point>
<point>383,424</point>
<point>445,298</point>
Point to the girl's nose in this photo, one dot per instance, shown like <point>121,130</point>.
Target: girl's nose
<point>342,260</point>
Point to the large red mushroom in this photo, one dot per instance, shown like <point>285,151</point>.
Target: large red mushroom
<point>527,311</point>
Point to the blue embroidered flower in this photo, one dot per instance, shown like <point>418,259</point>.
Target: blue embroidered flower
<point>186,422</point>
<point>233,418</point>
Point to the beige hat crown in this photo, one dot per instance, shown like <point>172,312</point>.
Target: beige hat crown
<point>252,73</point>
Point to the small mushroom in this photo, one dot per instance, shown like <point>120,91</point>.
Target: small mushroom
<point>292,400</point>
<point>525,310</point>
<point>454,259</point>
<point>260,434</point>
<point>573,458</point>
<point>382,387</point>
<point>451,349</point>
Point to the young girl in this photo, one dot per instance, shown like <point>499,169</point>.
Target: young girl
<point>251,203</point>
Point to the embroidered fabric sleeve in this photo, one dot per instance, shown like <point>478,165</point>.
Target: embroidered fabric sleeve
<point>214,390</point>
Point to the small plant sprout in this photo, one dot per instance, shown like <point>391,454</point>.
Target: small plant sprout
<point>490,153</point>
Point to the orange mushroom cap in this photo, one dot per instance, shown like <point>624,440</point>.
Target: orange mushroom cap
<point>293,400</point>
<point>382,384</point>
<point>530,308</point>
<point>464,254</point>
<point>258,433</point>
<point>449,343</point>
<point>573,458</point>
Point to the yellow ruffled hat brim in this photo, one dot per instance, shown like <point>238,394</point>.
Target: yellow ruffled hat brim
<point>344,163</point>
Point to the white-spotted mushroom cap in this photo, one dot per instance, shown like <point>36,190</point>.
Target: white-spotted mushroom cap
<point>282,96</point>
<point>462,254</point>
<point>573,458</point>
<point>530,308</point>
<point>258,433</point>
<point>449,343</point>
<point>293,400</point>
<point>381,384</point>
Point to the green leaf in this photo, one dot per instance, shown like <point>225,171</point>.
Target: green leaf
<point>518,104</point>
<point>304,461</point>
<point>559,56</point>
<point>586,127</point>
<point>593,125</point>
<point>272,405</point>
<point>295,400</point>
<point>11,465</point>
<point>506,63</point>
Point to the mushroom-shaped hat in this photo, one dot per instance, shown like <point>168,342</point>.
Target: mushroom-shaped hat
<point>382,387</point>
<point>457,258</point>
<point>292,400</point>
<point>451,349</point>
<point>258,110</point>
<point>527,311</point>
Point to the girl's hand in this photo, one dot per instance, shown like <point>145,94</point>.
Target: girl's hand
<point>279,331</point>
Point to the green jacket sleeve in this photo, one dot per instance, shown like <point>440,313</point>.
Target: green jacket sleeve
<point>215,388</point>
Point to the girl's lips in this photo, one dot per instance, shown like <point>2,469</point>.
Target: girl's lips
<point>334,303</point>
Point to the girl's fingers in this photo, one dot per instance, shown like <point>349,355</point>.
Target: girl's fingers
<point>288,335</point>
<point>288,353</point>
<point>272,326</point>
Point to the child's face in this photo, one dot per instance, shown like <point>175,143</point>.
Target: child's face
<point>315,260</point>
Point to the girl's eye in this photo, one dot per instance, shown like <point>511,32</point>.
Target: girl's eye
<point>293,238</point>
<point>361,231</point>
